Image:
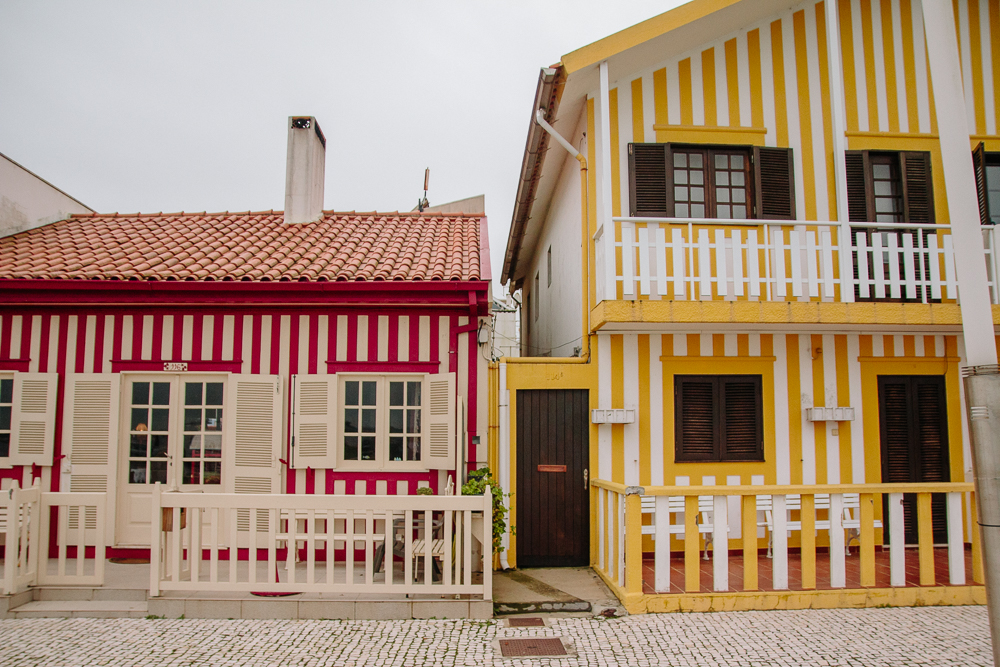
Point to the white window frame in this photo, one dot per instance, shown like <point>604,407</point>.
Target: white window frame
<point>382,462</point>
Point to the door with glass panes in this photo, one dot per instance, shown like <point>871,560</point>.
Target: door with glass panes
<point>171,434</point>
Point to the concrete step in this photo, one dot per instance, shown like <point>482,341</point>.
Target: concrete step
<point>80,609</point>
<point>66,593</point>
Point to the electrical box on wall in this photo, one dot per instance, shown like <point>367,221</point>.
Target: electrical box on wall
<point>612,416</point>
<point>830,414</point>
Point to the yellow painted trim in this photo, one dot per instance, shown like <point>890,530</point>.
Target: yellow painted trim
<point>909,65</point>
<point>692,568</point>
<point>616,181</point>
<point>684,85</point>
<point>889,66</point>
<point>794,380</point>
<point>844,441</point>
<point>638,126</point>
<point>808,542</point>
<point>778,78</point>
<point>925,539</point>
<point>756,86</point>
<point>867,539</point>
<point>592,195</point>
<point>817,352</point>
<point>733,82</point>
<point>660,108</point>
<point>847,56</point>
<point>750,544</point>
<point>976,54</point>
<point>711,134</point>
<point>896,136</point>
<point>609,313</point>
<point>633,545</point>
<point>708,86</point>
<point>645,445</point>
<point>822,599</point>
<point>805,113</point>
<point>868,39</point>
<point>641,32</point>
<point>784,489</point>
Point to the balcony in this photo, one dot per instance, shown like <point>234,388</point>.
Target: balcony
<point>698,260</point>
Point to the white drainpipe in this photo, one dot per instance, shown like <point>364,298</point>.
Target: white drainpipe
<point>503,460</point>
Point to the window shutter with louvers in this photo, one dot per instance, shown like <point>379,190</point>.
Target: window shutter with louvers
<point>33,418</point>
<point>695,418</point>
<point>253,436</point>
<point>979,165</point>
<point>650,187</point>
<point>858,196</point>
<point>918,199</point>
<point>440,453</point>
<point>314,425</point>
<point>774,191</point>
<point>742,431</point>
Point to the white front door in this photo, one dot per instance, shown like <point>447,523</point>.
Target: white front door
<point>172,434</point>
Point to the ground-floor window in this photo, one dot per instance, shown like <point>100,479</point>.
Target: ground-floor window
<point>718,418</point>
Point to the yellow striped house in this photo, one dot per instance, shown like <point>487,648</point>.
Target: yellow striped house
<point>746,283</point>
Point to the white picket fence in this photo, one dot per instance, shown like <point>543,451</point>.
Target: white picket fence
<point>25,522</point>
<point>700,259</point>
<point>287,543</point>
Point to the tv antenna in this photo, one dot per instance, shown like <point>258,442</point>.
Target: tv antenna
<point>422,203</point>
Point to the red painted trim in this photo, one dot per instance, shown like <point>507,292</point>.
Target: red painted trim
<point>393,352</point>
<point>6,336</point>
<point>352,338</point>
<point>373,326</point>
<point>99,354</point>
<point>197,330</point>
<point>310,481</point>
<point>14,365</point>
<point>131,365</point>
<point>255,350</point>
<point>157,336</point>
<point>381,366</point>
<point>414,336</point>
<point>331,343</point>
<point>43,347</point>
<point>275,344</point>
<point>313,343</point>
<point>218,333</point>
<point>177,341</point>
<point>26,323</point>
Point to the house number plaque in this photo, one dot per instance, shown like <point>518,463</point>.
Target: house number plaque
<point>544,468</point>
<point>175,366</point>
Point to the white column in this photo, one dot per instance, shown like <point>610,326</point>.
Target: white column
<point>838,116</point>
<point>604,183</point>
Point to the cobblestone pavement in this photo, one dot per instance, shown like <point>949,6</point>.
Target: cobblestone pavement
<point>927,636</point>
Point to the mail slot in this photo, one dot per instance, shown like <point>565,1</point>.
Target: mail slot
<point>551,468</point>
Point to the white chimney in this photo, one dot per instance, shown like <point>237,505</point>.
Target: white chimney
<point>305,170</point>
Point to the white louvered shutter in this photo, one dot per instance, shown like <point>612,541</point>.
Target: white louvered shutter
<point>34,418</point>
<point>441,422</point>
<point>314,426</point>
<point>90,437</point>
<point>253,441</point>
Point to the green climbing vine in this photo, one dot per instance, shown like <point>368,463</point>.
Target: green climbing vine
<point>475,486</point>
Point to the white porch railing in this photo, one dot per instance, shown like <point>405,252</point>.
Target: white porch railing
<point>733,519</point>
<point>775,260</point>
<point>384,544</point>
<point>25,521</point>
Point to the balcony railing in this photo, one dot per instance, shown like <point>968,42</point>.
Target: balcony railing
<point>774,260</point>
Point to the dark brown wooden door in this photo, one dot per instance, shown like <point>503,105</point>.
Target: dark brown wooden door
<point>553,449</point>
<point>914,438</point>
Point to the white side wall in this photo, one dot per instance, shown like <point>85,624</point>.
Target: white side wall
<point>27,201</point>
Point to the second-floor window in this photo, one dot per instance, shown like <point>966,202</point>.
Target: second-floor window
<point>987,166</point>
<point>701,181</point>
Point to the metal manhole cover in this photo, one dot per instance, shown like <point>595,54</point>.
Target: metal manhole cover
<point>536,646</point>
<point>524,622</point>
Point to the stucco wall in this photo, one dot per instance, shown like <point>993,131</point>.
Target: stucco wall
<point>27,201</point>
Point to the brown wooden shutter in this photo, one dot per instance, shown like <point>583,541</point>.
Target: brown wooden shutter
<point>695,419</point>
<point>774,183</point>
<point>650,192</point>
<point>858,199</point>
<point>918,199</point>
<point>932,441</point>
<point>742,430</point>
<point>895,418</point>
<point>979,165</point>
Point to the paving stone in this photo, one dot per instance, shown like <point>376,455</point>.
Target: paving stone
<point>928,636</point>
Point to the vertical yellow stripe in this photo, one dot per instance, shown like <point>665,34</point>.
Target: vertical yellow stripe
<point>844,398</point>
<point>909,346</point>
<point>976,53</point>
<point>995,54</point>
<point>864,346</point>
<point>889,58</point>
<point>743,345</point>
<point>667,348</point>
<point>824,89</point>
<point>868,39</point>
<point>778,74</point>
<point>616,181</point>
<point>708,86</point>
<point>684,79</point>
<point>644,410</point>
<point>794,408</point>
<point>929,346</point>
<point>819,399</point>
<point>660,96</point>
<point>733,84</point>
<point>847,54</point>
<point>592,193</point>
<point>767,345</point>
<point>756,88</point>
<point>638,127</point>
<point>889,346</point>
<point>694,345</point>
<point>718,345</point>
<point>805,113</point>
<point>617,401</point>
<point>909,65</point>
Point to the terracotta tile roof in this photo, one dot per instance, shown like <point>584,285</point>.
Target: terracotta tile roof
<point>248,246</point>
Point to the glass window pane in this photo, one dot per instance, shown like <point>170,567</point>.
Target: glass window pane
<point>722,195</point>
<point>192,419</point>
<point>697,161</point>
<point>413,421</point>
<point>351,448</point>
<point>5,418</point>
<point>351,420</point>
<point>413,393</point>
<point>6,391</point>
<point>213,393</point>
<point>738,178</point>
<point>722,211</point>
<point>192,472</point>
<point>736,161</point>
<point>368,393</point>
<point>697,178</point>
<point>680,193</point>
<point>681,210</point>
<point>368,448</point>
<point>681,177</point>
<point>739,196</point>
<point>740,212</point>
<point>368,420</point>
<point>351,393</point>
<point>883,188</point>
<point>161,393</point>
<point>136,472</point>
<point>157,472</point>
<point>158,446</point>
<point>161,420</point>
<point>212,446</point>
<point>213,419</point>
<point>395,421</point>
<point>722,178</point>
<point>697,210</point>
<point>192,446</point>
<point>680,159</point>
<point>213,473</point>
<point>412,449</point>
<point>697,194</point>
<point>396,449</point>
<point>137,446</point>
<point>881,171</point>
<point>884,205</point>
<point>140,393</point>
<point>192,393</point>
<point>395,393</point>
<point>721,161</point>
<point>140,419</point>
<point>4,444</point>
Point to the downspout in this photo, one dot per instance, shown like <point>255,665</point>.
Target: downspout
<point>503,457</point>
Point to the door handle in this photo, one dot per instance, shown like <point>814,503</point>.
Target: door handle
<point>586,479</point>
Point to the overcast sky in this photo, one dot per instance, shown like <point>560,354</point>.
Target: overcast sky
<point>140,106</point>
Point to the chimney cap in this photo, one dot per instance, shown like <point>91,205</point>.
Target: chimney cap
<point>305,122</point>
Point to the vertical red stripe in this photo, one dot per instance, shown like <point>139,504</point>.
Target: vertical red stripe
<point>255,350</point>
<point>292,349</point>
<point>26,324</point>
<point>313,343</point>
<point>394,337</point>
<point>177,353</point>
<point>99,344</point>
<point>61,370</point>
<point>434,338</point>
<point>137,325</point>
<point>5,336</point>
<point>414,335</point>
<point>218,336</point>
<point>275,343</point>
<point>238,337</point>
<point>310,481</point>
<point>331,335</point>
<point>329,482</point>
<point>293,345</point>
<point>158,336</point>
<point>373,326</point>
<point>196,334</point>
<point>352,337</point>
<point>43,347</point>
<point>81,343</point>
<point>116,341</point>
<point>453,344</point>
<point>473,397</point>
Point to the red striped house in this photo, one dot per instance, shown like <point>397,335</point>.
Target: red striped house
<point>235,352</point>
